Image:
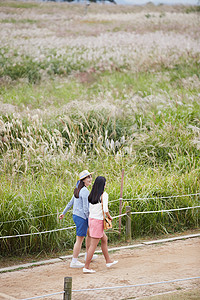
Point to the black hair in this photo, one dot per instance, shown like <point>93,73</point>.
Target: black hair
<point>77,189</point>
<point>97,190</point>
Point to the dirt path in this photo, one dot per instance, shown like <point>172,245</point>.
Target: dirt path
<point>151,263</point>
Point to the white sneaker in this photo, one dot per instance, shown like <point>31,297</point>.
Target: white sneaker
<point>88,270</point>
<point>111,264</point>
<point>95,256</point>
<point>77,264</point>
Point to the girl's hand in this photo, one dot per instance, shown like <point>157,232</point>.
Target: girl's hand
<point>108,215</point>
<point>61,216</point>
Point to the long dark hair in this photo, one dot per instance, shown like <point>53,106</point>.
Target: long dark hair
<point>77,189</point>
<point>97,190</point>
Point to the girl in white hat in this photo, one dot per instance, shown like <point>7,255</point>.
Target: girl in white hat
<point>80,205</point>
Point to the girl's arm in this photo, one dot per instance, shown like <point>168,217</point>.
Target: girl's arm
<point>105,205</point>
<point>69,205</point>
<point>108,215</point>
<point>85,194</point>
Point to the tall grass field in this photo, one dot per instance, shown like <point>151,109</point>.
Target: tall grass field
<point>102,87</point>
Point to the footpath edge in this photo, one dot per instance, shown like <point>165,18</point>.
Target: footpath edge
<point>61,258</point>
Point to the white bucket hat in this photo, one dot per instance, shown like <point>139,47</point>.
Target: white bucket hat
<point>84,174</point>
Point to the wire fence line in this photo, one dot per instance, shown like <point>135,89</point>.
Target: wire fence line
<point>117,287</point>
<point>157,211</point>
<point>154,198</point>
<point>48,295</point>
<point>123,199</point>
<point>36,233</point>
<point>164,210</point>
<point>137,285</point>
<point>115,217</point>
<point>29,218</point>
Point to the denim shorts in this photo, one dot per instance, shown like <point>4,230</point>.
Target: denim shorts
<point>81,225</point>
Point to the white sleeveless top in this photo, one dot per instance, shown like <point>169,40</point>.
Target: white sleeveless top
<point>95,210</point>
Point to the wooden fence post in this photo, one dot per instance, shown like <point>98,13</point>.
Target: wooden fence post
<point>128,224</point>
<point>120,201</point>
<point>67,288</point>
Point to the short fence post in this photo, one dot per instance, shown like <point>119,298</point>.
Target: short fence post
<point>67,288</point>
<point>120,201</point>
<point>128,223</point>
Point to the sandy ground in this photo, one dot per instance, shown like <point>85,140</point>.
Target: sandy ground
<point>150,263</point>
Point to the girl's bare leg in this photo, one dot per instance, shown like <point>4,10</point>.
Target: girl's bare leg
<point>93,244</point>
<point>87,240</point>
<point>77,246</point>
<point>104,248</point>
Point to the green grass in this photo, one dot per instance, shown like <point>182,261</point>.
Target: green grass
<point>23,21</point>
<point>21,4</point>
<point>118,83</point>
<point>45,94</point>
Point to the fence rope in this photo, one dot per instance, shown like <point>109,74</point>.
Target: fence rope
<point>136,285</point>
<point>122,215</point>
<point>162,210</point>
<point>117,287</point>
<point>156,211</point>
<point>37,217</point>
<point>36,297</point>
<point>35,233</point>
<point>146,198</point>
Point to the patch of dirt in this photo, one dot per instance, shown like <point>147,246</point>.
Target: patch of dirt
<point>146,264</point>
<point>87,76</point>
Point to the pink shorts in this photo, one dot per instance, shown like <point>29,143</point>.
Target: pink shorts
<point>96,228</point>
